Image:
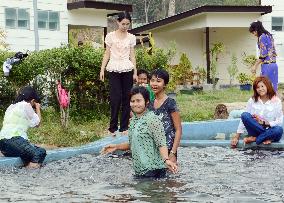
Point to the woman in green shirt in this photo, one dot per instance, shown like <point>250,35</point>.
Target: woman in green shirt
<point>147,140</point>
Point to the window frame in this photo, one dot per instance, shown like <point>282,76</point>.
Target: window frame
<point>48,20</point>
<point>17,18</point>
<point>282,26</point>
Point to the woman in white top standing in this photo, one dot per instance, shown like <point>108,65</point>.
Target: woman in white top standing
<point>19,116</point>
<point>263,118</point>
<point>119,61</point>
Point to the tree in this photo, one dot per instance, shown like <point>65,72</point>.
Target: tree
<point>147,4</point>
<point>233,68</point>
<point>172,8</point>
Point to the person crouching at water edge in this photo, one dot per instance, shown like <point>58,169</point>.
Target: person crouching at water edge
<point>263,117</point>
<point>18,118</point>
<point>147,140</point>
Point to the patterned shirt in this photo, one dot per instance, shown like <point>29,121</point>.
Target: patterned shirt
<point>146,136</point>
<point>164,112</point>
<point>270,111</point>
<point>266,47</point>
<point>18,118</point>
<point>120,52</point>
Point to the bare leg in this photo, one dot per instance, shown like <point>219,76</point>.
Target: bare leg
<point>249,139</point>
<point>32,165</point>
<point>267,142</point>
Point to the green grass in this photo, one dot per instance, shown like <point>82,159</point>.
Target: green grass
<point>197,107</point>
<point>78,132</point>
<point>201,106</point>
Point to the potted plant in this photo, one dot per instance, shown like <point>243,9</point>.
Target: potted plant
<point>216,49</point>
<point>245,81</point>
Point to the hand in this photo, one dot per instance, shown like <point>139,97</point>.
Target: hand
<point>256,117</point>
<point>102,75</point>
<point>173,158</point>
<point>135,78</point>
<point>109,149</point>
<point>37,105</point>
<point>234,141</point>
<point>253,70</point>
<point>171,166</point>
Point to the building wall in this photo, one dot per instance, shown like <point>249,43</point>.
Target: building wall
<point>277,11</point>
<point>189,42</point>
<point>23,39</point>
<point>236,41</point>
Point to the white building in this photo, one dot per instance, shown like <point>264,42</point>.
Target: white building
<point>274,23</point>
<point>195,31</point>
<point>55,19</point>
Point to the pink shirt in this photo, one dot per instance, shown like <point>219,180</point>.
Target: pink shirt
<point>120,52</point>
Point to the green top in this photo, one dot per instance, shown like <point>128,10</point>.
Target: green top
<point>146,136</point>
<point>152,94</point>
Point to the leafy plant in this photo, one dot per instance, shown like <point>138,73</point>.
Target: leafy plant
<point>183,71</point>
<point>152,57</point>
<point>215,50</point>
<point>202,73</point>
<point>249,60</point>
<point>3,44</point>
<point>233,68</point>
<point>245,79</point>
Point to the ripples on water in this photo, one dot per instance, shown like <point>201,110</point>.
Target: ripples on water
<point>210,174</point>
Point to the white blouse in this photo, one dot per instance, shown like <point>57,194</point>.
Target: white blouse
<point>271,111</point>
<point>120,52</point>
<point>18,118</point>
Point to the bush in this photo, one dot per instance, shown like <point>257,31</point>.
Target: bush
<point>78,68</point>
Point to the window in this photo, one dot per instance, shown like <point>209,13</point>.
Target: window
<point>48,20</point>
<point>17,18</point>
<point>42,19</point>
<point>277,23</point>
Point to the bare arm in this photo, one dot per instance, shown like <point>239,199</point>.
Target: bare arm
<point>170,164</point>
<point>133,60</point>
<point>256,65</point>
<point>177,125</point>
<point>104,62</point>
<point>113,147</point>
<point>37,110</point>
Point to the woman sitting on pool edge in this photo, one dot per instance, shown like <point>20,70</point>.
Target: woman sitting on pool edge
<point>263,117</point>
<point>147,139</point>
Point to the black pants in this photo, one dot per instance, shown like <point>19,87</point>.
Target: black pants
<point>120,86</point>
<point>20,147</point>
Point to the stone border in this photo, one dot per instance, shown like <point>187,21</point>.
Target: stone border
<point>195,134</point>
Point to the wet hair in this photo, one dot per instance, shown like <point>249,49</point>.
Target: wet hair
<point>123,15</point>
<point>258,27</point>
<point>27,94</point>
<point>270,91</point>
<point>140,90</point>
<point>161,73</point>
<point>142,71</point>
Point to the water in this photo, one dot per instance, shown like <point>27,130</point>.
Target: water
<point>210,174</point>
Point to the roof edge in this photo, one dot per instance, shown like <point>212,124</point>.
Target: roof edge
<point>198,10</point>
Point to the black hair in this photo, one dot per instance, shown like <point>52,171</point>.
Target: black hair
<point>123,15</point>
<point>143,71</point>
<point>140,90</point>
<point>27,94</point>
<point>258,27</point>
<point>161,73</point>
